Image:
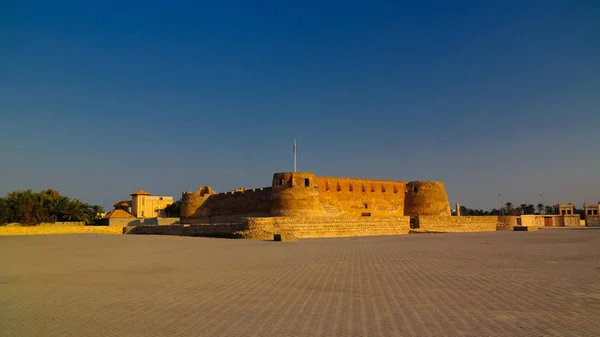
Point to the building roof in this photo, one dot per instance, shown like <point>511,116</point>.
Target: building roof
<point>118,213</point>
<point>140,192</point>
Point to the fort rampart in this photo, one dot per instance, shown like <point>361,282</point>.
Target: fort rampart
<point>302,194</point>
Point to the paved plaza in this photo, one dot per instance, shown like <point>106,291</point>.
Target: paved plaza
<point>544,283</point>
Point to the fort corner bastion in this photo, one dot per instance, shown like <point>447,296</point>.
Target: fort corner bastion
<point>304,205</point>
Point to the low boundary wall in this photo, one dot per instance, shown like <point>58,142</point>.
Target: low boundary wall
<point>62,229</point>
<point>139,222</point>
<point>207,230</point>
<point>464,223</point>
<point>322,227</point>
<point>592,220</point>
<point>298,227</point>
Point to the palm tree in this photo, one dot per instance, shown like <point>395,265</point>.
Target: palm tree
<point>57,207</point>
<point>96,210</point>
<point>540,208</point>
<point>78,211</point>
<point>509,208</point>
<point>549,210</point>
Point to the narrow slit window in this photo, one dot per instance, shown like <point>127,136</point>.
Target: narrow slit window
<point>306,182</point>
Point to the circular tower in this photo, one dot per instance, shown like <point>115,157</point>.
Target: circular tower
<point>426,198</point>
<point>295,194</point>
<point>192,201</point>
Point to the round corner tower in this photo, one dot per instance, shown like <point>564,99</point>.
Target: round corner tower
<point>295,194</point>
<point>192,201</point>
<point>426,198</point>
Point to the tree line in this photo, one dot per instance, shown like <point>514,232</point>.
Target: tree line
<point>510,209</point>
<point>172,210</point>
<point>31,208</point>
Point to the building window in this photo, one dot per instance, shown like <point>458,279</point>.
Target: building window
<point>366,205</point>
<point>595,212</point>
<point>306,182</point>
<point>280,182</point>
<point>589,212</point>
<point>564,212</point>
<point>415,189</point>
<point>365,214</point>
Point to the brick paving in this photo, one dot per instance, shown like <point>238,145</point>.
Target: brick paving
<point>544,283</point>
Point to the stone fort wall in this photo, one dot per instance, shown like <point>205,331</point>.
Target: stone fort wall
<point>464,223</point>
<point>302,194</point>
<point>264,228</point>
<point>209,206</point>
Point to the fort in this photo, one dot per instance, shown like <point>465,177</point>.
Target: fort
<point>303,194</point>
<point>304,205</point>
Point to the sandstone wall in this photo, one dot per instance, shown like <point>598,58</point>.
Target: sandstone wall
<point>302,194</point>
<point>592,220</point>
<point>460,223</point>
<point>569,220</point>
<point>58,223</point>
<point>207,230</point>
<point>361,197</point>
<point>37,230</point>
<point>506,222</point>
<point>295,194</point>
<point>234,204</point>
<point>426,198</point>
<point>140,222</point>
<point>321,227</point>
<point>531,220</point>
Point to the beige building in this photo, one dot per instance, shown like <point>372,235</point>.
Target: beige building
<point>564,209</point>
<point>145,205</point>
<point>592,214</point>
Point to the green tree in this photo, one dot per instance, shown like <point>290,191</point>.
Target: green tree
<point>27,208</point>
<point>4,212</point>
<point>540,208</point>
<point>549,210</point>
<point>508,208</point>
<point>173,210</point>
<point>77,211</point>
<point>96,211</point>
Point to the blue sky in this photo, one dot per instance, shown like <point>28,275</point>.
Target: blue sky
<point>99,99</point>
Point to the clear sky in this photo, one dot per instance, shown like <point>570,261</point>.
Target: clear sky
<point>99,99</point>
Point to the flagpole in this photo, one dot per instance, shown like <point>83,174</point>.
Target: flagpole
<point>294,154</point>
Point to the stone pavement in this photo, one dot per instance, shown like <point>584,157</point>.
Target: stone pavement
<point>544,283</point>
